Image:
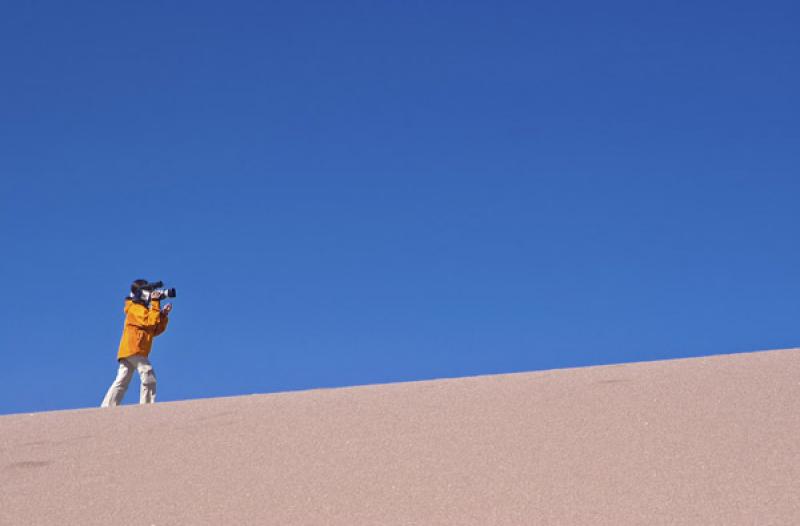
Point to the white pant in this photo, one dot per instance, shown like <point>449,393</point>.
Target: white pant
<point>147,375</point>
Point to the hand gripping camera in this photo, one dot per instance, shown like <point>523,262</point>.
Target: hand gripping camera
<point>143,290</point>
<point>159,286</point>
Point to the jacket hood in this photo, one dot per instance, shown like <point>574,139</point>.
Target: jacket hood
<point>130,303</point>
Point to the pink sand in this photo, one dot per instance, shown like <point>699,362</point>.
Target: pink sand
<point>701,441</point>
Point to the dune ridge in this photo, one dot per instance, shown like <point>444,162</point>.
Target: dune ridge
<point>698,441</point>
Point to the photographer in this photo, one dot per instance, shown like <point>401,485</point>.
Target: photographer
<point>144,320</point>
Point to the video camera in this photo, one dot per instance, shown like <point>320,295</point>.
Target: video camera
<point>159,286</point>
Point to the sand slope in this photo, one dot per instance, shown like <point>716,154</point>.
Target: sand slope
<point>701,441</point>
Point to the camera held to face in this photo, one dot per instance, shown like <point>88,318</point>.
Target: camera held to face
<point>158,286</point>
<point>143,290</point>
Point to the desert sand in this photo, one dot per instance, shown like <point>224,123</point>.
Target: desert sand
<point>702,441</point>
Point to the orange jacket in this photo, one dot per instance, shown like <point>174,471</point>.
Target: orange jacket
<point>141,326</point>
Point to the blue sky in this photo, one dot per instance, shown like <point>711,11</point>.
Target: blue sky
<point>364,192</point>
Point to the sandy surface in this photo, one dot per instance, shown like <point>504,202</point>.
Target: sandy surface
<point>701,441</point>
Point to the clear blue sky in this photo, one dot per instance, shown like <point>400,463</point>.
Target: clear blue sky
<point>361,192</point>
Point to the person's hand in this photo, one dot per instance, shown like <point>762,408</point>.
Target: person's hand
<point>156,294</point>
<point>167,308</point>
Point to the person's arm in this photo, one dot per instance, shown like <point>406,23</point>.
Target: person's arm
<point>162,323</point>
<point>146,319</point>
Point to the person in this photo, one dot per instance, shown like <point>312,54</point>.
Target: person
<point>144,320</point>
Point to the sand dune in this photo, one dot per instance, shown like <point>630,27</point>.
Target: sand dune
<point>701,441</point>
